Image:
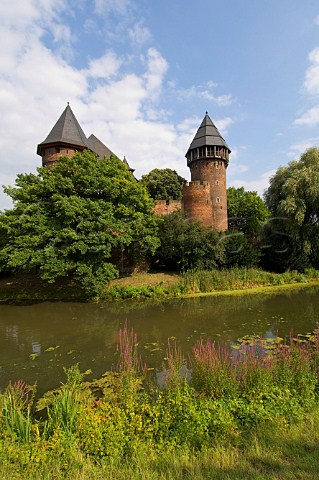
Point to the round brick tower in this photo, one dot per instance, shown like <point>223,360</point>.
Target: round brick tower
<point>207,158</point>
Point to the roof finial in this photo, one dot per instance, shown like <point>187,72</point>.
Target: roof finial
<point>68,103</point>
<point>206,113</point>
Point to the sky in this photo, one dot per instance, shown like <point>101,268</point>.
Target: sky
<point>140,75</point>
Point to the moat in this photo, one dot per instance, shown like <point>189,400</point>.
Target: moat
<point>37,341</point>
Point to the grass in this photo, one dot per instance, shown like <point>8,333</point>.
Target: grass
<point>160,285</point>
<point>249,413</point>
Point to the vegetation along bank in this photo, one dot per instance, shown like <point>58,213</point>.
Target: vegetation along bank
<point>246,412</point>
<point>85,222</point>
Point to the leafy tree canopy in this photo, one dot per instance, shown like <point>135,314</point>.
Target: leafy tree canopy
<point>186,244</point>
<point>70,220</point>
<point>164,184</point>
<point>293,199</point>
<point>247,212</point>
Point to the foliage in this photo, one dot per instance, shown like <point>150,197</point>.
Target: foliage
<point>233,396</point>
<point>240,250</point>
<point>187,244</point>
<point>16,405</point>
<point>293,199</point>
<point>72,219</point>
<point>198,280</point>
<point>164,184</point>
<point>124,292</point>
<point>247,212</point>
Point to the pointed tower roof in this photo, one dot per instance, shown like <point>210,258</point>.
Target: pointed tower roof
<point>207,134</point>
<point>98,147</point>
<point>67,130</point>
<point>127,164</point>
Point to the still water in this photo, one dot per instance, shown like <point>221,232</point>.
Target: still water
<point>37,341</point>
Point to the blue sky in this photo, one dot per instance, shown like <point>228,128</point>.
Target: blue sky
<point>141,74</point>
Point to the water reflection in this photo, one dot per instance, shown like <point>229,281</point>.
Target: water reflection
<point>87,333</point>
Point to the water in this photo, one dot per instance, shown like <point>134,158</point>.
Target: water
<point>37,341</point>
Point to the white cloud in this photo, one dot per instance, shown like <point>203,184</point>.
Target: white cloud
<point>223,124</point>
<point>116,100</point>
<point>310,118</point>
<point>258,185</point>
<point>104,67</point>
<point>299,148</point>
<point>139,34</point>
<point>156,69</point>
<point>311,87</point>
<point>204,92</point>
<point>105,7</point>
<point>311,82</point>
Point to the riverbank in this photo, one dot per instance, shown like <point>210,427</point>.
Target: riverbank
<point>235,281</point>
<point>159,285</point>
<point>252,413</point>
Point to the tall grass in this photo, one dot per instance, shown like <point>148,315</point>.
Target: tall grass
<point>196,281</point>
<point>16,405</point>
<point>233,398</point>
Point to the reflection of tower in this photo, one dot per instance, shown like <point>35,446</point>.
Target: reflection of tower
<point>205,198</point>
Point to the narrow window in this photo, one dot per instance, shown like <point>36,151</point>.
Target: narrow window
<point>217,200</point>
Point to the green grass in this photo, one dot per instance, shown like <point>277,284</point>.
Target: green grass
<point>247,413</point>
<point>158,285</point>
<point>284,454</point>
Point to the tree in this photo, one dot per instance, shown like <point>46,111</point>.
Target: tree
<point>164,184</point>
<point>70,221</point>
<point>186,244</point>
<point>247,212</point>
<point>293,199</point>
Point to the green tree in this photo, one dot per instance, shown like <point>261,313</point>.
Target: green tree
<point>164,184</point>
<point>186,244</point>
<point>293,199</point>
<point>72,219</point>
<point>247,212</point>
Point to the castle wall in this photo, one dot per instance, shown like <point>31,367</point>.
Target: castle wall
<point>213,172</point>
<point>197,203</point>
<point>164,208</point>
<point>51,155</point>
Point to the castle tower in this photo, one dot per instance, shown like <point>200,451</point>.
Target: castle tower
<point>65,138</point>
<point>205,198</point>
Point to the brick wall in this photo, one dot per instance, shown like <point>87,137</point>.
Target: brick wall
<point>51,155</point>
<point>197,202</point>
<point>213,172</point>
<point>164,208</point>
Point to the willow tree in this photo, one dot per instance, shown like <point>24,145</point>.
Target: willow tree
<point>293,199</point>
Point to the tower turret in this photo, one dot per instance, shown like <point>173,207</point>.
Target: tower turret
<point>65,138</point>
<point>207,158</point>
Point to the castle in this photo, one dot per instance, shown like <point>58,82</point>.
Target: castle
<point>204,198</point>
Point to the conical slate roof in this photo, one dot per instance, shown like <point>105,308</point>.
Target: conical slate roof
<point>67,130</point>
<point>98,147</point>
<point>208,135</point>
<point>127,164</point>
